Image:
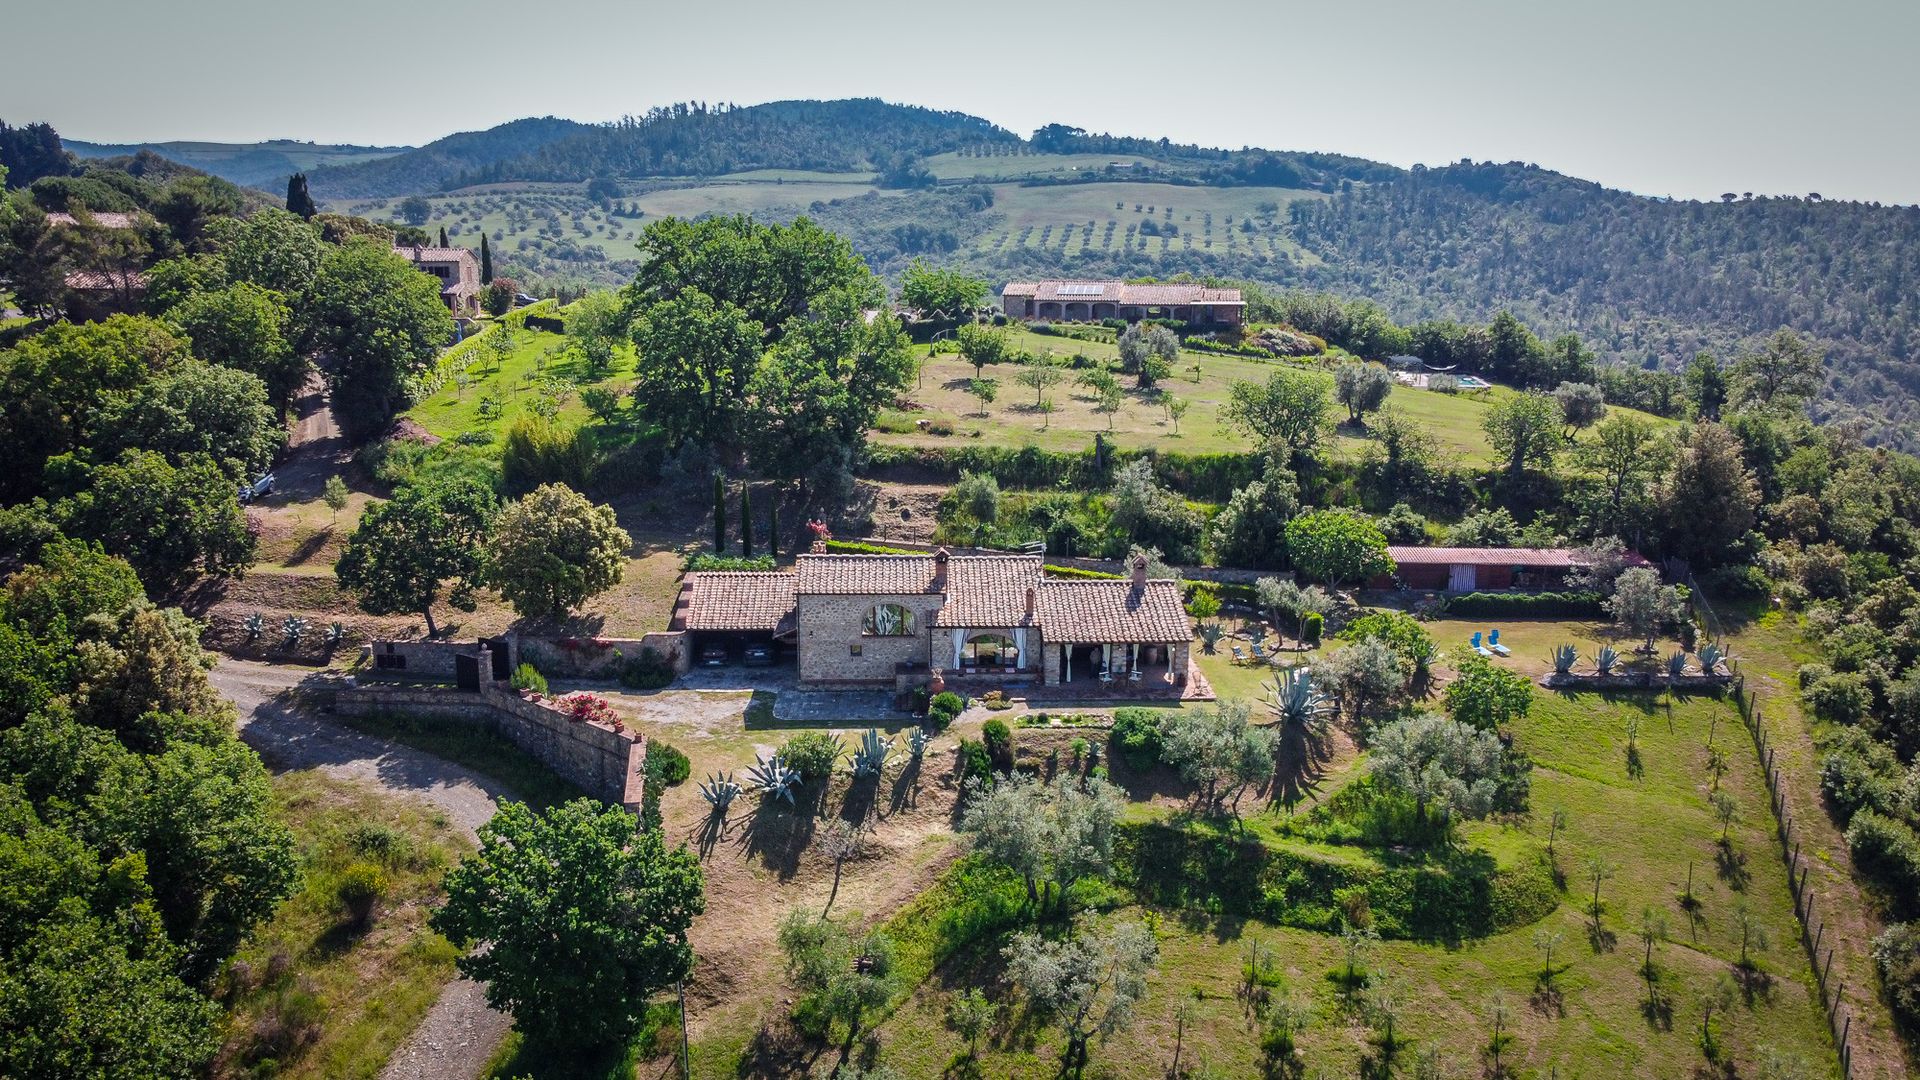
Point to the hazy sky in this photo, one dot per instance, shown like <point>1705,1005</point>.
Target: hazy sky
<point>1679,97</point>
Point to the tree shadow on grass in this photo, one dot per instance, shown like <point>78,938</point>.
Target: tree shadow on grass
<point>906,787</point>
<point>778,834</point>
<point>1658,1010</point>
<point>1731,865</point>
<point>1756,986</point>
<point>1300,756</point>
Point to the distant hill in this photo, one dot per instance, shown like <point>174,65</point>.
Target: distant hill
<point>264,165</point>
<point>435,166</point>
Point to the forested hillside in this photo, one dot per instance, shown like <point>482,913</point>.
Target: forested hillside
<point>265,165</point>
<point>1643,280</point>
<point>434,165</point>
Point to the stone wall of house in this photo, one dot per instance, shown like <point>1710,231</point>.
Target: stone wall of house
<point>600,658</point>
<point>833,647</point>
<point>424,660</point>
<point>606,764</point>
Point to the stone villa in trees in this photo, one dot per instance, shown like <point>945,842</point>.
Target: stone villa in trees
<point>458,271</point>
<point>993,620</point>
<point>1091,301</point>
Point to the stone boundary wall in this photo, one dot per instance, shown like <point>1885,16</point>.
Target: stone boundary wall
<point>595,658</point>
<point>1578,683</point>
<point>419,659</point>
<point>606,764</point>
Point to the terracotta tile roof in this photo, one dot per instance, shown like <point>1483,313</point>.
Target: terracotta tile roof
<point>1560,558</point>
<point>1118,292</point>
<point>989,591</point>
<point>740,600</point>
<point>106,219</point>
<point>105,281</point>
<point>432,254</point>
<point>1112,612</point>
<point>842,575</point>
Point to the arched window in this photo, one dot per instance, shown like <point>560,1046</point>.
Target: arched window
<point>888,620</point>
<point>990,650</point>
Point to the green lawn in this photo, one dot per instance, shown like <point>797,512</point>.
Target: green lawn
<point>1452,419</point>
<point>1589,1022</point>
<point>498,395</point>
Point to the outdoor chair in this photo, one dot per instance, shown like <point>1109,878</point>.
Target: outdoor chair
<point>1240,657</point>
<point>1260,652</point>
<point>1493,642</point>
<point>1474,642</point>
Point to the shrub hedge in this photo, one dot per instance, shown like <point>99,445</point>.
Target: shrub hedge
<point>1461,896</point>
<point>1540,605</point>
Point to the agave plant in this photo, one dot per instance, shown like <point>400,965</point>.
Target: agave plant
<point>1424,660</point>
<point>1604,659</point>
<point>1563,658</point>
<point>719,790</point>
<point>336,633</point>
<point>256,625</point>
<point>773,777</point>
<point>871,754</point>
<point>1210,634</point>
<point>1676,665</point>
<point>1711,657</point>
<point>1295,701</point>
<point>917,742</point>
<point>294,628</point>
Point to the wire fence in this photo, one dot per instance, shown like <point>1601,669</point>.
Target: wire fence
<point>1813,928</point>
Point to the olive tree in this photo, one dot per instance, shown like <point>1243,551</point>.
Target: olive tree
<point>1089,982</point>
<point>1642,605</point>
<point>1361,387</point>
<point>1219,751</point>
<point>1443,764</point>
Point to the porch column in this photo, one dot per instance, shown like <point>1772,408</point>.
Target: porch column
<point>1066,663</point>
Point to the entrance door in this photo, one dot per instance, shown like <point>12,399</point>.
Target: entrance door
<point>1465,578</point>
<point>466,671</point>
<point>502,671</point>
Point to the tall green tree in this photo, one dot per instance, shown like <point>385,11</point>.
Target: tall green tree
<point>697,355</point>
<point>1706,386</point>
<point>1524,430</point>
<point>1785,371</point>
<point>746,520</point>
<point>1362,388</point>
<point>1289,409</point>
<point>1711,496</point>
<point>1626,455</point>
<point>426,540</point>
<point>554,549</point>
<point>940,292</point>
<point>299,201</point>
<point>1089,983</point>
<point>719,514</point>
<point>169,521</point>
<point>383,322</point>
<point>195,409</point>
<point>250,329</point>
<point>486,261</point>
<point>583,916</point>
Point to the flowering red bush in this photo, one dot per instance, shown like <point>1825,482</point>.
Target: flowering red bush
<point>583,705</point>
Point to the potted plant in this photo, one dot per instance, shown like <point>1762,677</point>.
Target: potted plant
<point>937,683</point>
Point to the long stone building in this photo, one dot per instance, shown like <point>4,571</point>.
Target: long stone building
<point>1091,301</point>
<point>868,620</point>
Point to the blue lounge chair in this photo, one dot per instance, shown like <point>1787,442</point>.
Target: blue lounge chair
<point>1477,647</point>
<point>1493,642</point>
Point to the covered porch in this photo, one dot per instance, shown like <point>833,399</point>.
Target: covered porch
<point>1117,667</point>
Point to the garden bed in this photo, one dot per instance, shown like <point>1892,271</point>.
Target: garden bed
<point>1636,680</point>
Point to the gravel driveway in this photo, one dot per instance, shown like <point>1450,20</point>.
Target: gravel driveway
<point>459,1034</point>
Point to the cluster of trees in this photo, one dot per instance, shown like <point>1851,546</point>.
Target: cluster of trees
<point>444,539</point>
<point>139,844</point>
<point>768,343</point>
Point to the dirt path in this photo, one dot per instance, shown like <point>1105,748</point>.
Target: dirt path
<point>459,1034</point>
<point>315,447</point>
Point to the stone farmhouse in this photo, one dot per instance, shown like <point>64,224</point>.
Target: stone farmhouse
<point>893,620</point>
<point>458,271</point>
<point>1091,301</point>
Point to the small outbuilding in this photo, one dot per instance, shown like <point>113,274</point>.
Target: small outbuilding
<point>1483,569</point>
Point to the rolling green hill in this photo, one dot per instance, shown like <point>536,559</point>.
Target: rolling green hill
<point>263,164</point>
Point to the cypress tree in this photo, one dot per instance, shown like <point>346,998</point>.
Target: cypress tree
<point>719,514</point>
<point>486,262</point>
<point>298,201</point>
<point>773,528</point>
<point>443,236</point>
<point>746,520</point>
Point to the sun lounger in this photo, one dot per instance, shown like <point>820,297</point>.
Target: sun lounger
<point>1474,643</point>
<point>1493,642</point>
<point>1260,653</point>
<point>1238,656</point>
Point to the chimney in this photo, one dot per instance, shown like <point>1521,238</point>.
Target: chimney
<point>1139,571</point>
<point>940,557</point>
<point>1030,594</point>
